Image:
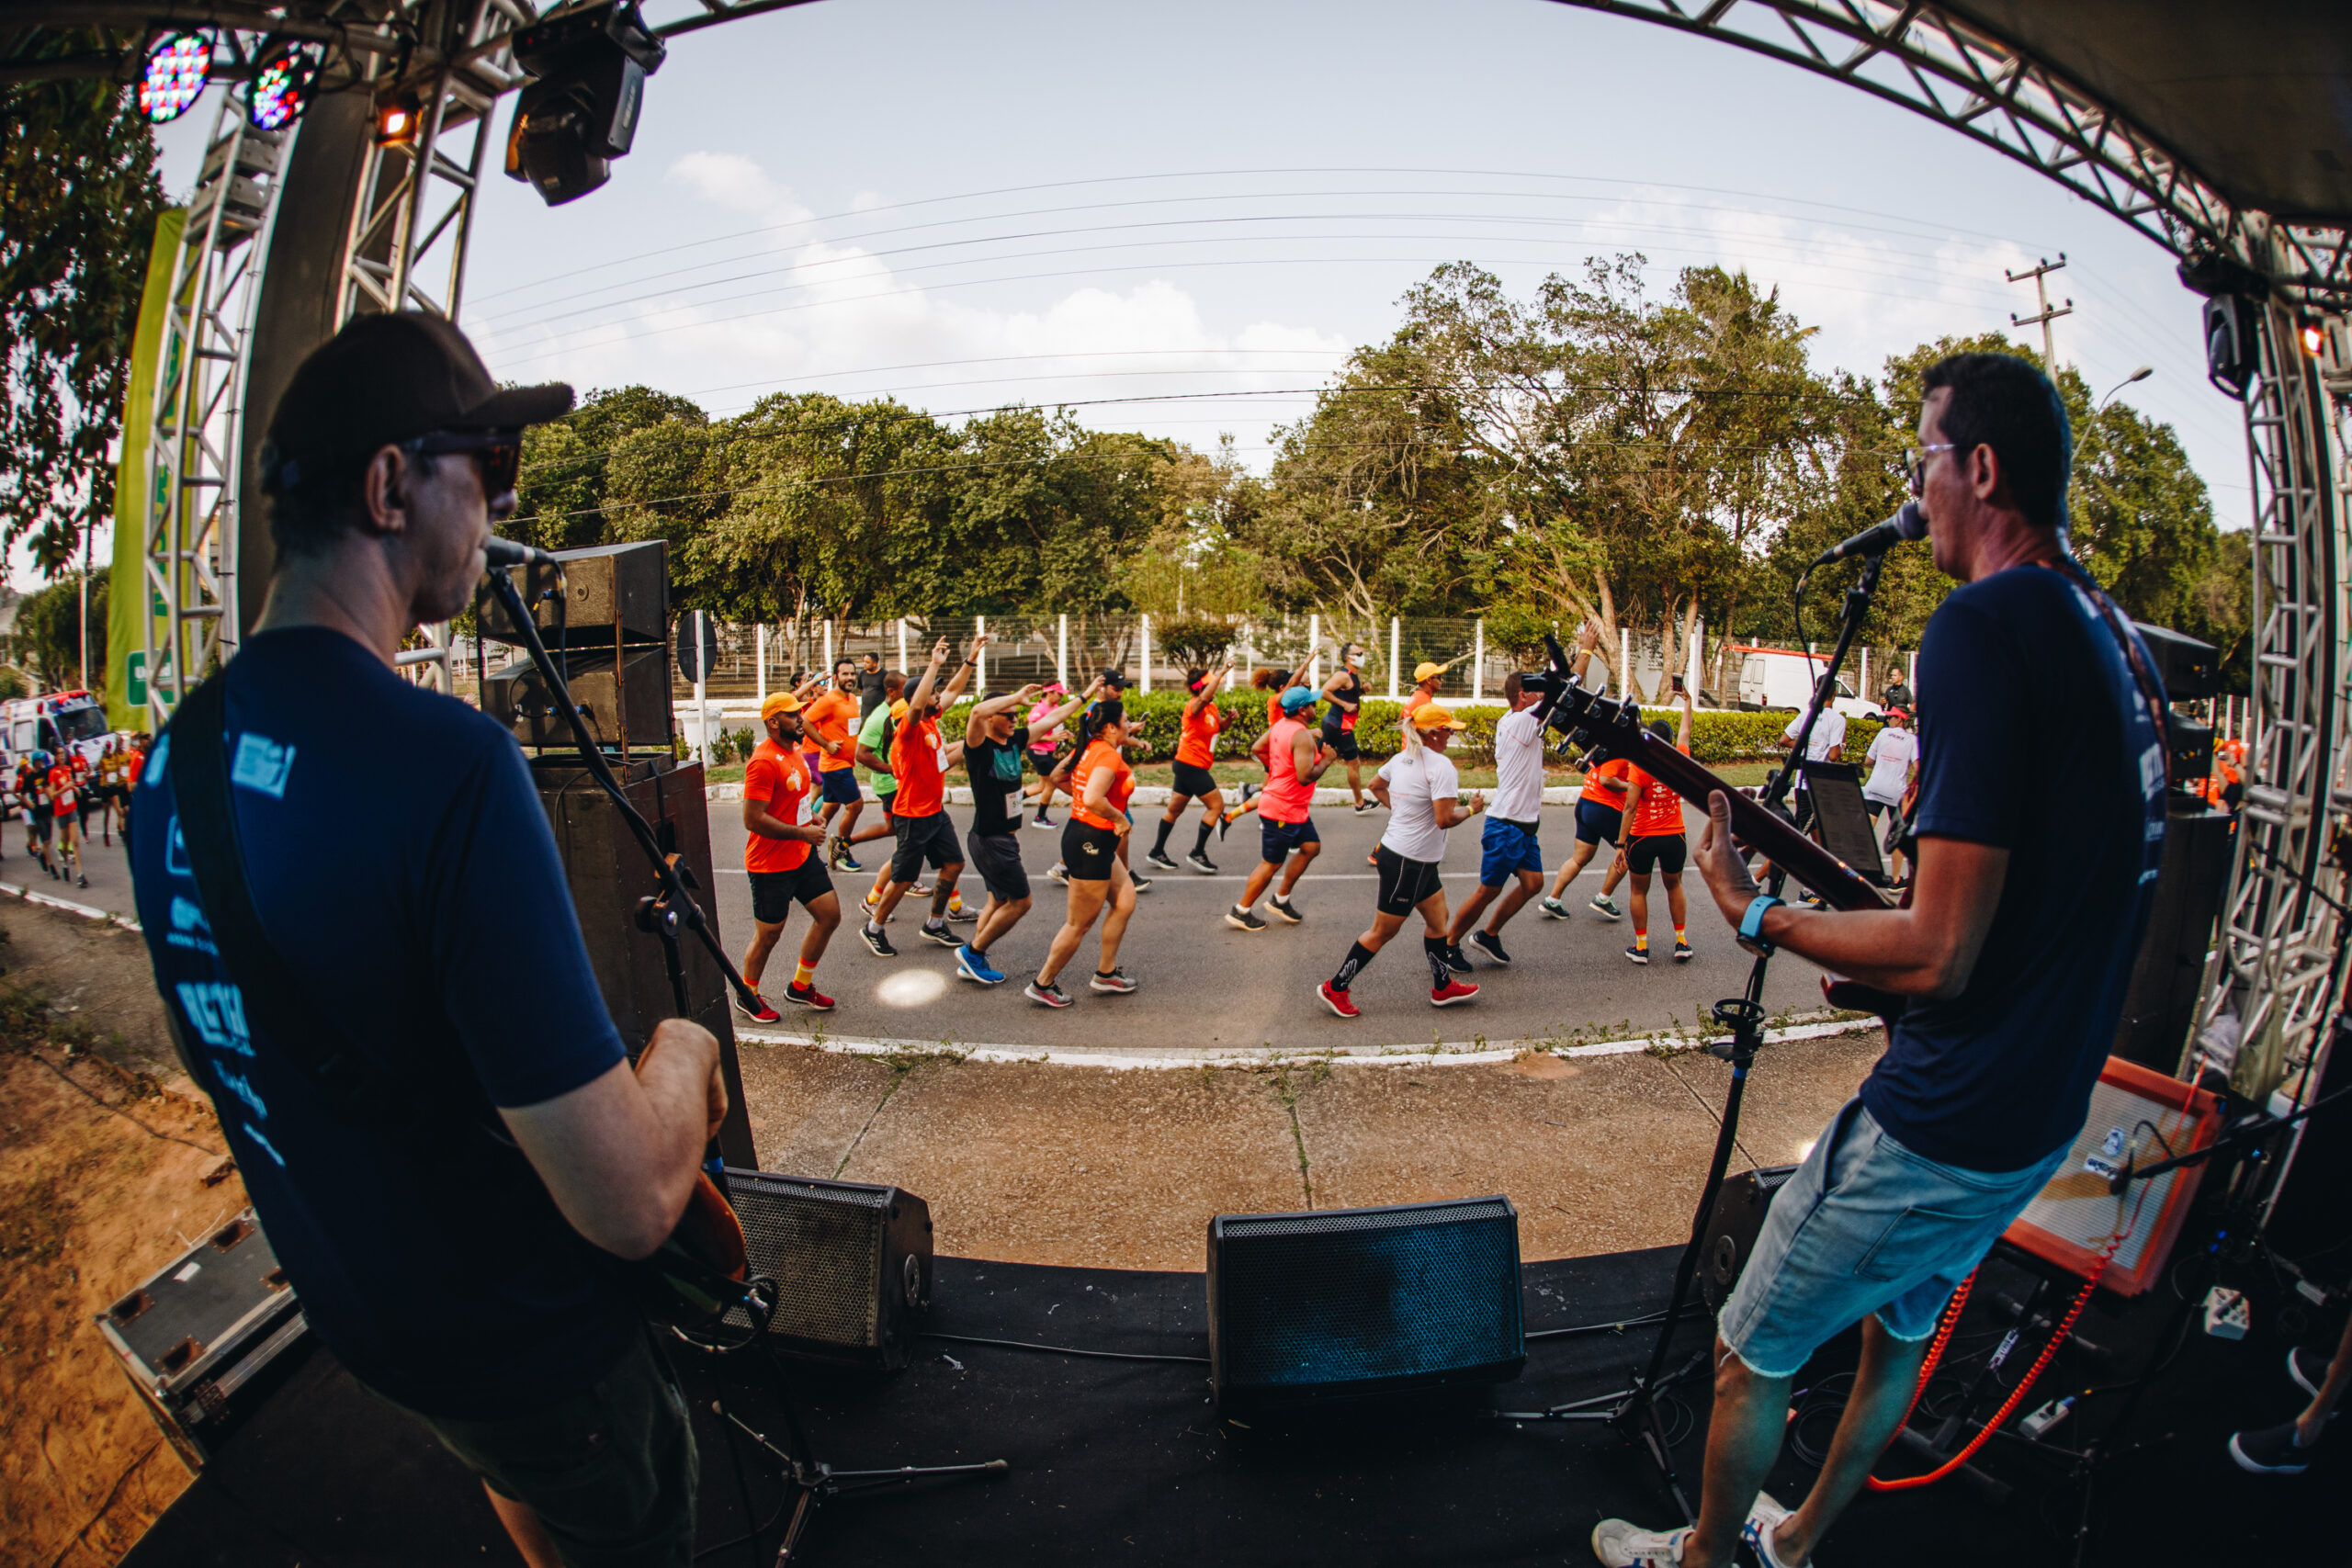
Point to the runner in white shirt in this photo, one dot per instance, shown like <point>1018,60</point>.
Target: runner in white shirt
<point>1423,794</point>
<point>1894,758</point>
<point>1827,741</point>
<point>1508,849</point>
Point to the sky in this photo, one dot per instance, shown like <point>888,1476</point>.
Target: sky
<point>1180,221</point>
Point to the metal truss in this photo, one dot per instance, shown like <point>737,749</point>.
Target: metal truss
<point>2273,963</point>
<point>1931,62</point>
<point>191,517</point>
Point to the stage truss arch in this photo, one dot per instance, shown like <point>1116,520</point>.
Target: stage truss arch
<point>2273,965</point>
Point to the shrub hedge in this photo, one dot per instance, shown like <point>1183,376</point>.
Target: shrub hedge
<point>1716,735</point>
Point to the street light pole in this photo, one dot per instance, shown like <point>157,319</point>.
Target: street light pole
<point>2141,374</point>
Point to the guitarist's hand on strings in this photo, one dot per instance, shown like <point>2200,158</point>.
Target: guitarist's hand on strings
<point>1721,862</point>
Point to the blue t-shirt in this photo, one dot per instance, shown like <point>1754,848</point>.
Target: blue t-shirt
<point>403,865</point>
<point>2033,738</point>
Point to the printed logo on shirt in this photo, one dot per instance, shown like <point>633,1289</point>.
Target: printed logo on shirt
<point>176,852</point>
<point>157,761</point>
<point>216,1011</point>
<point>189,927</point>
<point>262,764</point>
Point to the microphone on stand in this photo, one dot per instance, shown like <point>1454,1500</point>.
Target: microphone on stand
<point>500,553</point>
<point>1907,523</point>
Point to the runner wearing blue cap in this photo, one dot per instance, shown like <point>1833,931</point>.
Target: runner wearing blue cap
<point>1293,759</point>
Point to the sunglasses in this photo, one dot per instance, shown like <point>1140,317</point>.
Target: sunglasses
<point>497,455</point>
<point>1915,462</point>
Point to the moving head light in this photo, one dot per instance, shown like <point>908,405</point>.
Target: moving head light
<point>582,113</point>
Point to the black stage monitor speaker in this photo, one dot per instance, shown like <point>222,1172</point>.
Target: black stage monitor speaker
<point>639,701</point>
<point>2162,1001</point>
<point>1732,1228</point>
<point>851,1265</point>
<point>2190,670</point>
<point>1350,1301</point>
<point>605,587</point>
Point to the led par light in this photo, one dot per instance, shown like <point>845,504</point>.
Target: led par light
<point>174,78</point>
<point>581,112</point>
<point>396,120</point>
<point>280,89</point>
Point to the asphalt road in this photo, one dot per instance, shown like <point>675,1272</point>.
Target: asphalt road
<point>1205,986</point>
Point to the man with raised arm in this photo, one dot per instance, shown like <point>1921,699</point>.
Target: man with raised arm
<point>920,757</point>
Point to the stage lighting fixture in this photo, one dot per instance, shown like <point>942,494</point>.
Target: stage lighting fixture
<point>174,78</point>
<point>396,120</point>
<point>280,89</point>
<point>2315,341</point>
<point>581,112</point>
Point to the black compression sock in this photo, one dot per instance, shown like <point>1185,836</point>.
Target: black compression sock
<point>1201,844</point>
<point>1441,972</point>
<point>1358,956</point>
<point>1161,847</point>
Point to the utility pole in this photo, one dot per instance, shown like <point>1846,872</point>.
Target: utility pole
<point>2047,313</point>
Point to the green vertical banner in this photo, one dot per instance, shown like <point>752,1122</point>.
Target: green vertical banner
<point>134,491</point>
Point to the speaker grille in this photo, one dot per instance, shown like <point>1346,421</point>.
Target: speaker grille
<point>1349,1297</point>
<point>822,1245</point>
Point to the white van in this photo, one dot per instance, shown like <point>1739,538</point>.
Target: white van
<point>1783,678</point>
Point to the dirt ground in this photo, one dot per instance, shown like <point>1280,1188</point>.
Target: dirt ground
<point>109,1165</point>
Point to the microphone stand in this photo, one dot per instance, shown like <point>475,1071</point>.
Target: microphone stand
<point>667,914</point>
<point>1639,1408</point>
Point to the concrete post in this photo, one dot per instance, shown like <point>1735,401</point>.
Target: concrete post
<point>1478,662</point>
<point>1315,651</point>
<point>980,668</point>
<point>902,647</point>
<point>701,712</point>
<point>1625,663</point>
<point>1395,658</point>
<point>828,648</point>
<point>760,660</point>
<point>1144,685</point>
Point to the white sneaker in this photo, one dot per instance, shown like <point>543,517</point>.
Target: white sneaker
<point>1764,1517</point>
<point>1618,1544</point>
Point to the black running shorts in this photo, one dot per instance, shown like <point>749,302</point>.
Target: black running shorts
<point>1193,780</point>
<point>997,857</point>
<point>774,892</point>
<point>1344,741</point>
<point>1090,852</point>
<point>931,838</point>
<point>1660,852</point>
<point>1404,884</point>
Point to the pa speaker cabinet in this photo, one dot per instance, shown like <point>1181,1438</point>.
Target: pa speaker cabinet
<point>851,1265</point>
<point>603,587</point>
<point>1733,1228</point>
<point>608,873</point>
<point>637,701</point>
<point>2161,1002</point>
<point>1343,1303</point>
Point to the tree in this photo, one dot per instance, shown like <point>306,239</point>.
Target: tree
<point>78,201</point>
<point>48,631</point>
<point>559,495</point>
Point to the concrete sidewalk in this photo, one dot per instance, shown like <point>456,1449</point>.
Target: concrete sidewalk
<point>1042,1163</point>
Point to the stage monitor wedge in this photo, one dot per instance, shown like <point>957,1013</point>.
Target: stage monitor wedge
<point>1345,1302</point>
<point>613,595</point>
<point>852,1264</point>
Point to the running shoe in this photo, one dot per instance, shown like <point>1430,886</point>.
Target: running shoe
<point>1201,862</point>
<point>974,965</point>
<point>1618,1544</point>
<point>1603,906</point>
<point>80,880</point>
<point>1764,1517</point>
<point>1552,909</point>
<point>1452,991</point>
<point>878,939</point>
<point>2273,1450</point>
<point>921,890</point>
<point>1285,908</point>
<point>1456,959</point>
<point>1366,807</point>
<point>1143,884</point>
<point>2308,1369</point>
<point>963,914</point>
<point>835,847</point>
<point>1159,858</point>
<point>1243,920</point>
<point>764,1013</point>
<point>1046,995</point>
<point>1337,1000</point>
<point>1042,820</point>
<point>1058,872</point>
<point>808,997</point>
<point>941,934</point>
<point>1682,953</point>
<point>1638,955</point>
<point>1114,984</point>
<point>1491,945</point>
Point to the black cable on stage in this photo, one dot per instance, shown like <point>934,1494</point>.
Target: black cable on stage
<point>1065,1349</point>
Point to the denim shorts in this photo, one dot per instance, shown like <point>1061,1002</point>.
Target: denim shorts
<point>1865,1225</point>
<point>1505,849</point>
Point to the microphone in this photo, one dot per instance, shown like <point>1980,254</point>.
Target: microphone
<point>506,552</point>
<point>1907,523</point>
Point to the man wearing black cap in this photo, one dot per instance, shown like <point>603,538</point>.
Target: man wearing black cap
<point>456,1240</point>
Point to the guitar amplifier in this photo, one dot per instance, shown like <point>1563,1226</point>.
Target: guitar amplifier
<point>614,594</point>
<point>636,700</point>
<point>852,1264</point>
<point>197,1337</point>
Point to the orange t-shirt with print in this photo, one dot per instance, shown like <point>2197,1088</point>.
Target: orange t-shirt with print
<point>1607,784</point>
<point>1196,743</point>
<point>1102,754</point>
<point>780,777</point>
<point>918,763</point>
<point>1661,810</point>
<point>831,719</point>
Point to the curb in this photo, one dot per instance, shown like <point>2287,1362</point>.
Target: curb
<point>1465,1054</point>
<point>106,917</point>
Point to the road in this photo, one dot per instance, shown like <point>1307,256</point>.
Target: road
<point>1203,986</point>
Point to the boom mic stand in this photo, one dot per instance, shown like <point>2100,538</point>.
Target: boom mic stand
<point>1639,1407</point>
<point>666,914</point>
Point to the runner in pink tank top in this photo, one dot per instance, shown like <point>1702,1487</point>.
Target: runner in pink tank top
<point>1293,759</point>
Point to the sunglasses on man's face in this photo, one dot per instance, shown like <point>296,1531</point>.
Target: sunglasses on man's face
<point>497,455</point>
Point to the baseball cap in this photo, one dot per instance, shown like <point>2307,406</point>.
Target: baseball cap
<point>387,377</point>
<point>1297,697</point>
<point>778,701</point>
<point>1903,713</point>
<point>898,708</point>
<point>1115,681</point>
<point>1429,715</point>
<point>1424,669</point>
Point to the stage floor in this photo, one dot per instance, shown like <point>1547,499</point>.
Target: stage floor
<point>1127,1461</point>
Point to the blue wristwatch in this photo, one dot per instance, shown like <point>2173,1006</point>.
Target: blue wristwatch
<point>1751,925</point>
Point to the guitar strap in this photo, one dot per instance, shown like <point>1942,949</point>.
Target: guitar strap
<point>2155,751</point>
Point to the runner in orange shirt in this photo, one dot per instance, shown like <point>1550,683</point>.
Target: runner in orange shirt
<point>1195,749</point>
<point>1655,839</point>
<point>64,802</point>
<point>833,721</point>
<point>1092,837</point>
<point>921,757</point>
<point>780,857</point>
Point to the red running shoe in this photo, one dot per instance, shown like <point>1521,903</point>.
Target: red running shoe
<point>764,1013</point>
<point>811,998</point>
<point>1454,991</point>
<point>1340,1003</point>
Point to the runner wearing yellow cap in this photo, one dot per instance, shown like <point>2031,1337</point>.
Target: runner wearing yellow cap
<point>780,856</point>
<point>1426,677</point>
<point>1423,792</point>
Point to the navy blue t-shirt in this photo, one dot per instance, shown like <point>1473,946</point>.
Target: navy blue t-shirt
<point>2033,738</point>
<point>403,865</point>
